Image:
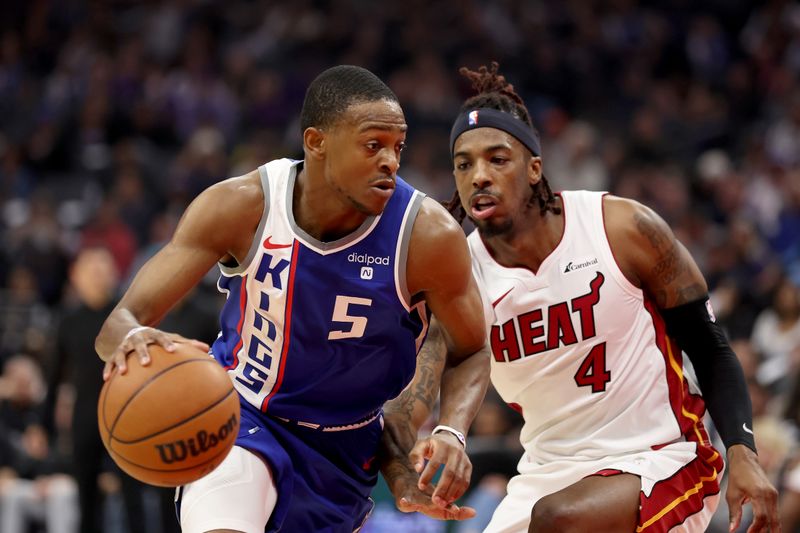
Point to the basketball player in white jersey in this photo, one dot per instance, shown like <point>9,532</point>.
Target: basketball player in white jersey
<point>328,264</point>
<point>590,300</point>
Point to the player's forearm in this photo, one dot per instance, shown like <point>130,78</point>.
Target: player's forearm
<point>414,405</point>
<point>464,386</point>
<point>114,329</point>
<point>396,441</point>
<point>404,415</point>
<point>717,368</point>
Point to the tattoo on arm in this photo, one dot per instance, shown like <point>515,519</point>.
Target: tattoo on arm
<point>670,265</point>
<point>672,271</point>
<point>417,399</point>
<point>425,386</point>
<point>690,293</point>
<point>648,229</point>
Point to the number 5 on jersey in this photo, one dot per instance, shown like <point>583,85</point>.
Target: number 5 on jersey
<point>341,313</point>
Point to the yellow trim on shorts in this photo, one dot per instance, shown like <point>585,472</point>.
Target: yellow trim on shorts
<point>694,418</point>
<point>674,503</point>
<point>691,416</point>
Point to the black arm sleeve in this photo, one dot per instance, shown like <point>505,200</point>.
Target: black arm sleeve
<point>719,372</point>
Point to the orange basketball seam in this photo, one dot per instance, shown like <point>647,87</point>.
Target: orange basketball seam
<point>103,395</point>
<point>144,386</point>
<point>173,426</point>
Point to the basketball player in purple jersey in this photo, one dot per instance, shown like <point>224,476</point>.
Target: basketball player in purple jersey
<point>330,265</point>
<point>590,300</point>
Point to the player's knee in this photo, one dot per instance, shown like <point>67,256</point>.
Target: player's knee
<point>554,515</point>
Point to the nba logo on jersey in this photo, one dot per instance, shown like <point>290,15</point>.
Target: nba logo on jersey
<point>366,272</point>
<point>472,118</point>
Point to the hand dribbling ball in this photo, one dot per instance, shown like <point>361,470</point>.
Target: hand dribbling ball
<point>171,422</point>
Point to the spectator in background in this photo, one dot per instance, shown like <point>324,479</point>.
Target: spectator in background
<point>109,231</point>
<point>77,373</point>
<point>33,487</point>
<point>24,318</point>
<point>574,158</point>
<point>776,335</point>
<point>790,498</point>
<point>34,240</point>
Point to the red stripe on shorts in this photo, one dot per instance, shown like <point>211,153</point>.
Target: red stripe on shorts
<point>678,497</point>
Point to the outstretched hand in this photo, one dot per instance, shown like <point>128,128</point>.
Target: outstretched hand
<point>137,343</point>
<point>442,449</point>
<point>747,482</point>
<point>413,500</point>
<point>409,499</point>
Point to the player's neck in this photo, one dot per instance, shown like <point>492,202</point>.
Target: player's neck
<point>319,212</point>
<point>529,242</point>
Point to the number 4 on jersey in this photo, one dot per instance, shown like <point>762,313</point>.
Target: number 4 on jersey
<point>592,371</point>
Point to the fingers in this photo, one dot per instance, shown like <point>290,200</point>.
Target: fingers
<point>735,502</point>
<point>749,482</point>
<point>418,454</point>
<point>108,369</point>
<point>413,500</point>
<point>137,343</point>
<point>451,512</point>
<point>405,506</point>
<point>426,476</point>
<point>734,514</point>
<point>454,480</point>
<point>200,345</point>
<point>463,513</point>
<point>142,353</point>
<point>765,512</point>
<point>420,503</point>
<point>119,361</point>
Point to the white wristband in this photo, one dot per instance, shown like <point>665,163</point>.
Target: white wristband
<point>454,431</point>
<point>134,331</point>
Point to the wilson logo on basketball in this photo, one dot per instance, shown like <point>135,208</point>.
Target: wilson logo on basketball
<point>177,451</point>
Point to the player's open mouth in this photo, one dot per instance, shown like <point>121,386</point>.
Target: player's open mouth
<point>383,186</point>
<point>483,206</point>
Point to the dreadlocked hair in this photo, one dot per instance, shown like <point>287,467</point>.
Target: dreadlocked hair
<point>495,92</point>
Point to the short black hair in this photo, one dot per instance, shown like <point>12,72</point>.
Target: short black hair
<point>336,89</point>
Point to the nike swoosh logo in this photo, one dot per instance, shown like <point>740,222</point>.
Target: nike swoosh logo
<point>744,427</point>
<point>272,246</point>
<point>503,296</point>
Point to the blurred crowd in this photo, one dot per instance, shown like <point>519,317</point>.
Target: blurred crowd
<point>114,115</point>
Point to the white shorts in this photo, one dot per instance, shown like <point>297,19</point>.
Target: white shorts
<point>239,494</point>
<point>679,492</point>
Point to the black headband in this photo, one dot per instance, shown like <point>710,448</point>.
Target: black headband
<point>492,118</point>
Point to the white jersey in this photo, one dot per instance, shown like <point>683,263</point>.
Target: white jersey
<point>580,350</point>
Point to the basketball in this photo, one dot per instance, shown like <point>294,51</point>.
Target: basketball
<point>171,422</point>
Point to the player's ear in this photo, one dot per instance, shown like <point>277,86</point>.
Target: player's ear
<point>314,142</point>
<point>534,170</point>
